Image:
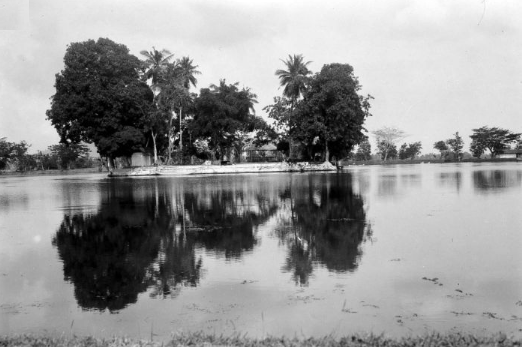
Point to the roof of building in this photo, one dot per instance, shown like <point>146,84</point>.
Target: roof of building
<point>267,147</point>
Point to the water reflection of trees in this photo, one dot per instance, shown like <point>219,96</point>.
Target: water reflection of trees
<point>325,223</point>
<point>129,245</point>
<point>145,235</point>
<point>496,179</point>
<point>451,178</point>
<point>228,216</point>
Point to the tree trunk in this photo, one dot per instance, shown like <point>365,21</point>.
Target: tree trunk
<point>155,150</point>
<point>290,141</point>
<point>327,153</point>
<point>110,164</point>
<point>180,130</point>
<point>171,142</point>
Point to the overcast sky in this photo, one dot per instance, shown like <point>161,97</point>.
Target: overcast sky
<point>434,67</point>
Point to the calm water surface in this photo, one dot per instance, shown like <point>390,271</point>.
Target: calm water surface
<point>399,249</point>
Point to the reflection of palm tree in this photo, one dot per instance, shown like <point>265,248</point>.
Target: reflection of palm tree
<point>228,217</point>
<point>178,266</point>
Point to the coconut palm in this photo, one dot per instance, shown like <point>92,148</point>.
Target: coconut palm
<point>293,79</point>
<point>156,63</point>
<point>187,71</point>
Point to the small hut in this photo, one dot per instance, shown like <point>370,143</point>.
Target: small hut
<point>266,153</point>
<point>141,159</point>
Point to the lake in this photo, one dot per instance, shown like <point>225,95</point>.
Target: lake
<point>399,250</point>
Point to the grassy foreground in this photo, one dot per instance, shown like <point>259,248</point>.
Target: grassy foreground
<point>199,339</point>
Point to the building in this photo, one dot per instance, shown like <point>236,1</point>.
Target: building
<point>511,154</point>
<point>266,153</point>
<point>141,159</point>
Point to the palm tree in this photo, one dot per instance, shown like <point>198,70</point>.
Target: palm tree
<point>156,63</point>
<point>294,81</point>
<point>187,72</point>
<point>294,78</point>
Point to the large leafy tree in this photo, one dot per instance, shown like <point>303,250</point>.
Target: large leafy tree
<point>222,114</point>
<point>493,139</point>
<point>332,113</point>
<point>100,98</point>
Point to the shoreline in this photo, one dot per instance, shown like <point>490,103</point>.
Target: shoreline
<point>201,339</point>
<point>189,170</point>
<point>182,170</point>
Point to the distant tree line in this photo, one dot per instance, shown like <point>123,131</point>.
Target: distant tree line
<point>494,140</point>
<point>15,157</point>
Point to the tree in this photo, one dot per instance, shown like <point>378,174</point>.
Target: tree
<point>386,139</point>
<point>100,99</point>
<point>387,150</point>
<point>186,71</point>
<point>155,64</point>
<point>67,154</point>
<point>332,113</point>
<point>493,139</point>
<point>221,114</point>
<point>13,156</point>
<point>410,150</point>
<point>456,144</point>
<point>156,67</point>
<point>294,80</point>
<point>364,151</point>
<point>477,148</point>
<point>174,99</point>
<point>442,147</point>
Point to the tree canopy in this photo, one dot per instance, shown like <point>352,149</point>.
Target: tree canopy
<point>221,114</point>
<point>410,150</point>
<point>294,78</point>
<point>100,98</point>
<point>493,139</point>
<point>331,112</point>
<point>442,147</point>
